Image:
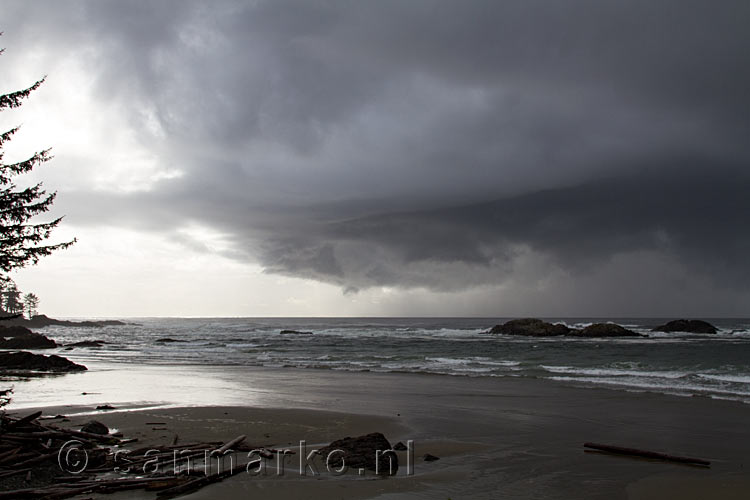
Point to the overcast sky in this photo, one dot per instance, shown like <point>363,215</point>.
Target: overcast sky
<point>498,158</point>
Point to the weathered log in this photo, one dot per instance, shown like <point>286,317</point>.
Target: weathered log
<point>35,435</point>
<point>646,454</point>
<point>9,454</point>
<point>199,483</point>
<point>166,483</point>
<point>104,438</point>
<point>228,446</point>
<point>75,478</point>
<point>24,420</point>
<point>36,460</point>
<point>88,486</point>
<point>51,492</point>
<point>12,460</point>
<point>160,459</point>
<point>206,445</point>
<point>17,438</point>
<point>13,472</point>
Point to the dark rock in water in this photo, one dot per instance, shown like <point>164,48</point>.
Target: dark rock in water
<point>399,446</point>
<point>105,407</point>
<point>167,340</point>
<point>538,328</point>
<point>18,337</point>
<point>532,327</point>
<point>294,332</point>
<point>95,427</point>
<point>14,331</point>
<point>429,458</point>
<point>605,330</point>
<point>363,452</point>
<point>686,325</point>
<point>87,343</point>
<point>40,321</point>
<point>26,361</point>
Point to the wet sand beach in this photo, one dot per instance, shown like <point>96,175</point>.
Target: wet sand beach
<point>497,437</point>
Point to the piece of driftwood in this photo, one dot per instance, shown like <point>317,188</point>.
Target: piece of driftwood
<point>13,460</point>
<point>14,472</point>
<point>207,444</point>
<point>24,443</point>
<point>36,460</point>
<point>22,421</point>
<point>103,438</point>
<point>8,454</point>
<point>646,454</point>
<point>228,446</point>
<point>90,486</point>
<point>198,483</point>
<point>159,459</point>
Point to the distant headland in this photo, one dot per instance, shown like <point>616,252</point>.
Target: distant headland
<point>41,320</point>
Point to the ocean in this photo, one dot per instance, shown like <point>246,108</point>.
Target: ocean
<point>715,366</point>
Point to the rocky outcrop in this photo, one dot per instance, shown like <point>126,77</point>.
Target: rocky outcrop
<point>533,327</point>
<point>18,337</point>
<point>22,361</point>
<point>294,332</point>
<point>87,343</point>
<point>95,427</point>
<point>40,321</point>
<point>530,327</point>
<point>362,452</point>
<point>686,325</point>
<point>605,330</point>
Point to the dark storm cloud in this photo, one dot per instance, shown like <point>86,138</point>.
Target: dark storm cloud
<point>431,143</point>
<point>682,212</point>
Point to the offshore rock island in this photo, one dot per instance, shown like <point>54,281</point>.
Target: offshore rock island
<point>533,327</point>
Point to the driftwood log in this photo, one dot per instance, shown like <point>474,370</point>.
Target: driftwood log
<point>634,452</point>
<point>25,442</point>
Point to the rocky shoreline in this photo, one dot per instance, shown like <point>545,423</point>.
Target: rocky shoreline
<point>21,362</point>
<point>40,321</point>
<point>27,363</point>
<point>19,337</point>
<point>15,335</point>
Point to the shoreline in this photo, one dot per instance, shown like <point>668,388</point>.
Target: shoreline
<point>520,438</point>
<point>227,379</point>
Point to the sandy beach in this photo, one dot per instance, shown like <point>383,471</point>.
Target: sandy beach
<point>496,438</point>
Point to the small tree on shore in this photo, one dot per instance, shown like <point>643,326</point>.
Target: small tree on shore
<point>30,304</point>
<point>22,241</point>
<point>12,299</point>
